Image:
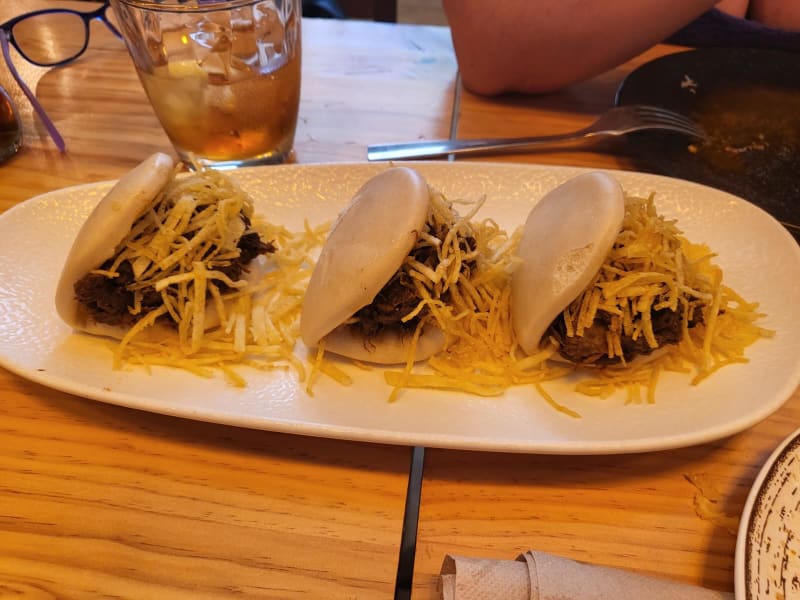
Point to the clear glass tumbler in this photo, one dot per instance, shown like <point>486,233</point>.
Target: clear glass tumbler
<point>223,76</point>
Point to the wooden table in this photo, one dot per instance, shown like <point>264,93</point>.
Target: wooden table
<point>632,511</point>
<point>102,501</point>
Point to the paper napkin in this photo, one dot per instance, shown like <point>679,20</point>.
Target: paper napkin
<point>542,576</point>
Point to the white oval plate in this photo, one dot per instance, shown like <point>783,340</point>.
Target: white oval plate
<point>759,257</point>
<point>768,544</point>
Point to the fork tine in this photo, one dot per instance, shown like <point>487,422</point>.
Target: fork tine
<point>663,114</point>
<point>677,120</point>
<point>655,112</point>
<point>674,120</point>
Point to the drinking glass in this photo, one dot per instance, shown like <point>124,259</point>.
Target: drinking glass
<point>223,76</point>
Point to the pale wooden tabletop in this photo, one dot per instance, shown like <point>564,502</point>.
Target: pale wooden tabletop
<point>637,511</point>
<point>103,501</point>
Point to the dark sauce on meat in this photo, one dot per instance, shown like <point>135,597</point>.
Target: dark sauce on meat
<point>591,348</point>
<point>399,296</point>
<point>109,300</point>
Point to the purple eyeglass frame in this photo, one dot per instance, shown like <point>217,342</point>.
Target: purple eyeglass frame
<point>7,40</point>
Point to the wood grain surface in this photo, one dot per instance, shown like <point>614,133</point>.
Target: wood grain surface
<point>362,82</point>
<point>560,112</point>
<point>638,512</point>
<point>98,501</point>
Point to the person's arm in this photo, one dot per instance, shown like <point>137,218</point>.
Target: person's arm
<point>536,46</point>
<point>781,14</point>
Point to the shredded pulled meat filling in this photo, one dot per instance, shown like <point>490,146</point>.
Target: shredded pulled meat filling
<point>650,290</point>
<point>591,348</point>
<point>109,300</point>
<point>399,296</point>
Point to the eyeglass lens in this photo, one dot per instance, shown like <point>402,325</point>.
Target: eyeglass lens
<point>10,127</point>
<point>51,38</point>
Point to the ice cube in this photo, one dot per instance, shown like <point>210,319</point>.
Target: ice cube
<point>221,98</point>
<point>211,36</point>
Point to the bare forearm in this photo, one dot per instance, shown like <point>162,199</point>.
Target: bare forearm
<point>782,14</point>
<point>542,45</point>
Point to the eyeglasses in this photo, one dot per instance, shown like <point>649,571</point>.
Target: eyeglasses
<point>49,38</point>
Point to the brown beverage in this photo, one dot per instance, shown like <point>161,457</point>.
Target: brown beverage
<point>207,115</point>
<point>223,77</point>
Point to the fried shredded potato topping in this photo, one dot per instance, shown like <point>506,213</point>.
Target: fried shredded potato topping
<point>180,248</point>
<point>179,245</point>
<point>481,355</point>
<point>651,267</point>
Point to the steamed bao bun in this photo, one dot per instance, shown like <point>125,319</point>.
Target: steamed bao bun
<point>100,239</point>
<point>565,240</point>
<point>104,229</point>
<point>366,246</point>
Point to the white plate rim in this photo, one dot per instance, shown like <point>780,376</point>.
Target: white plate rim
<point>440,440</point>
<point>742,554</point>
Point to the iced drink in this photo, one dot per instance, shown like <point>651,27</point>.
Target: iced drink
<point>222,77</point>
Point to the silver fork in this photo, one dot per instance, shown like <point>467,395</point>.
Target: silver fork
<point>612,123</point>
